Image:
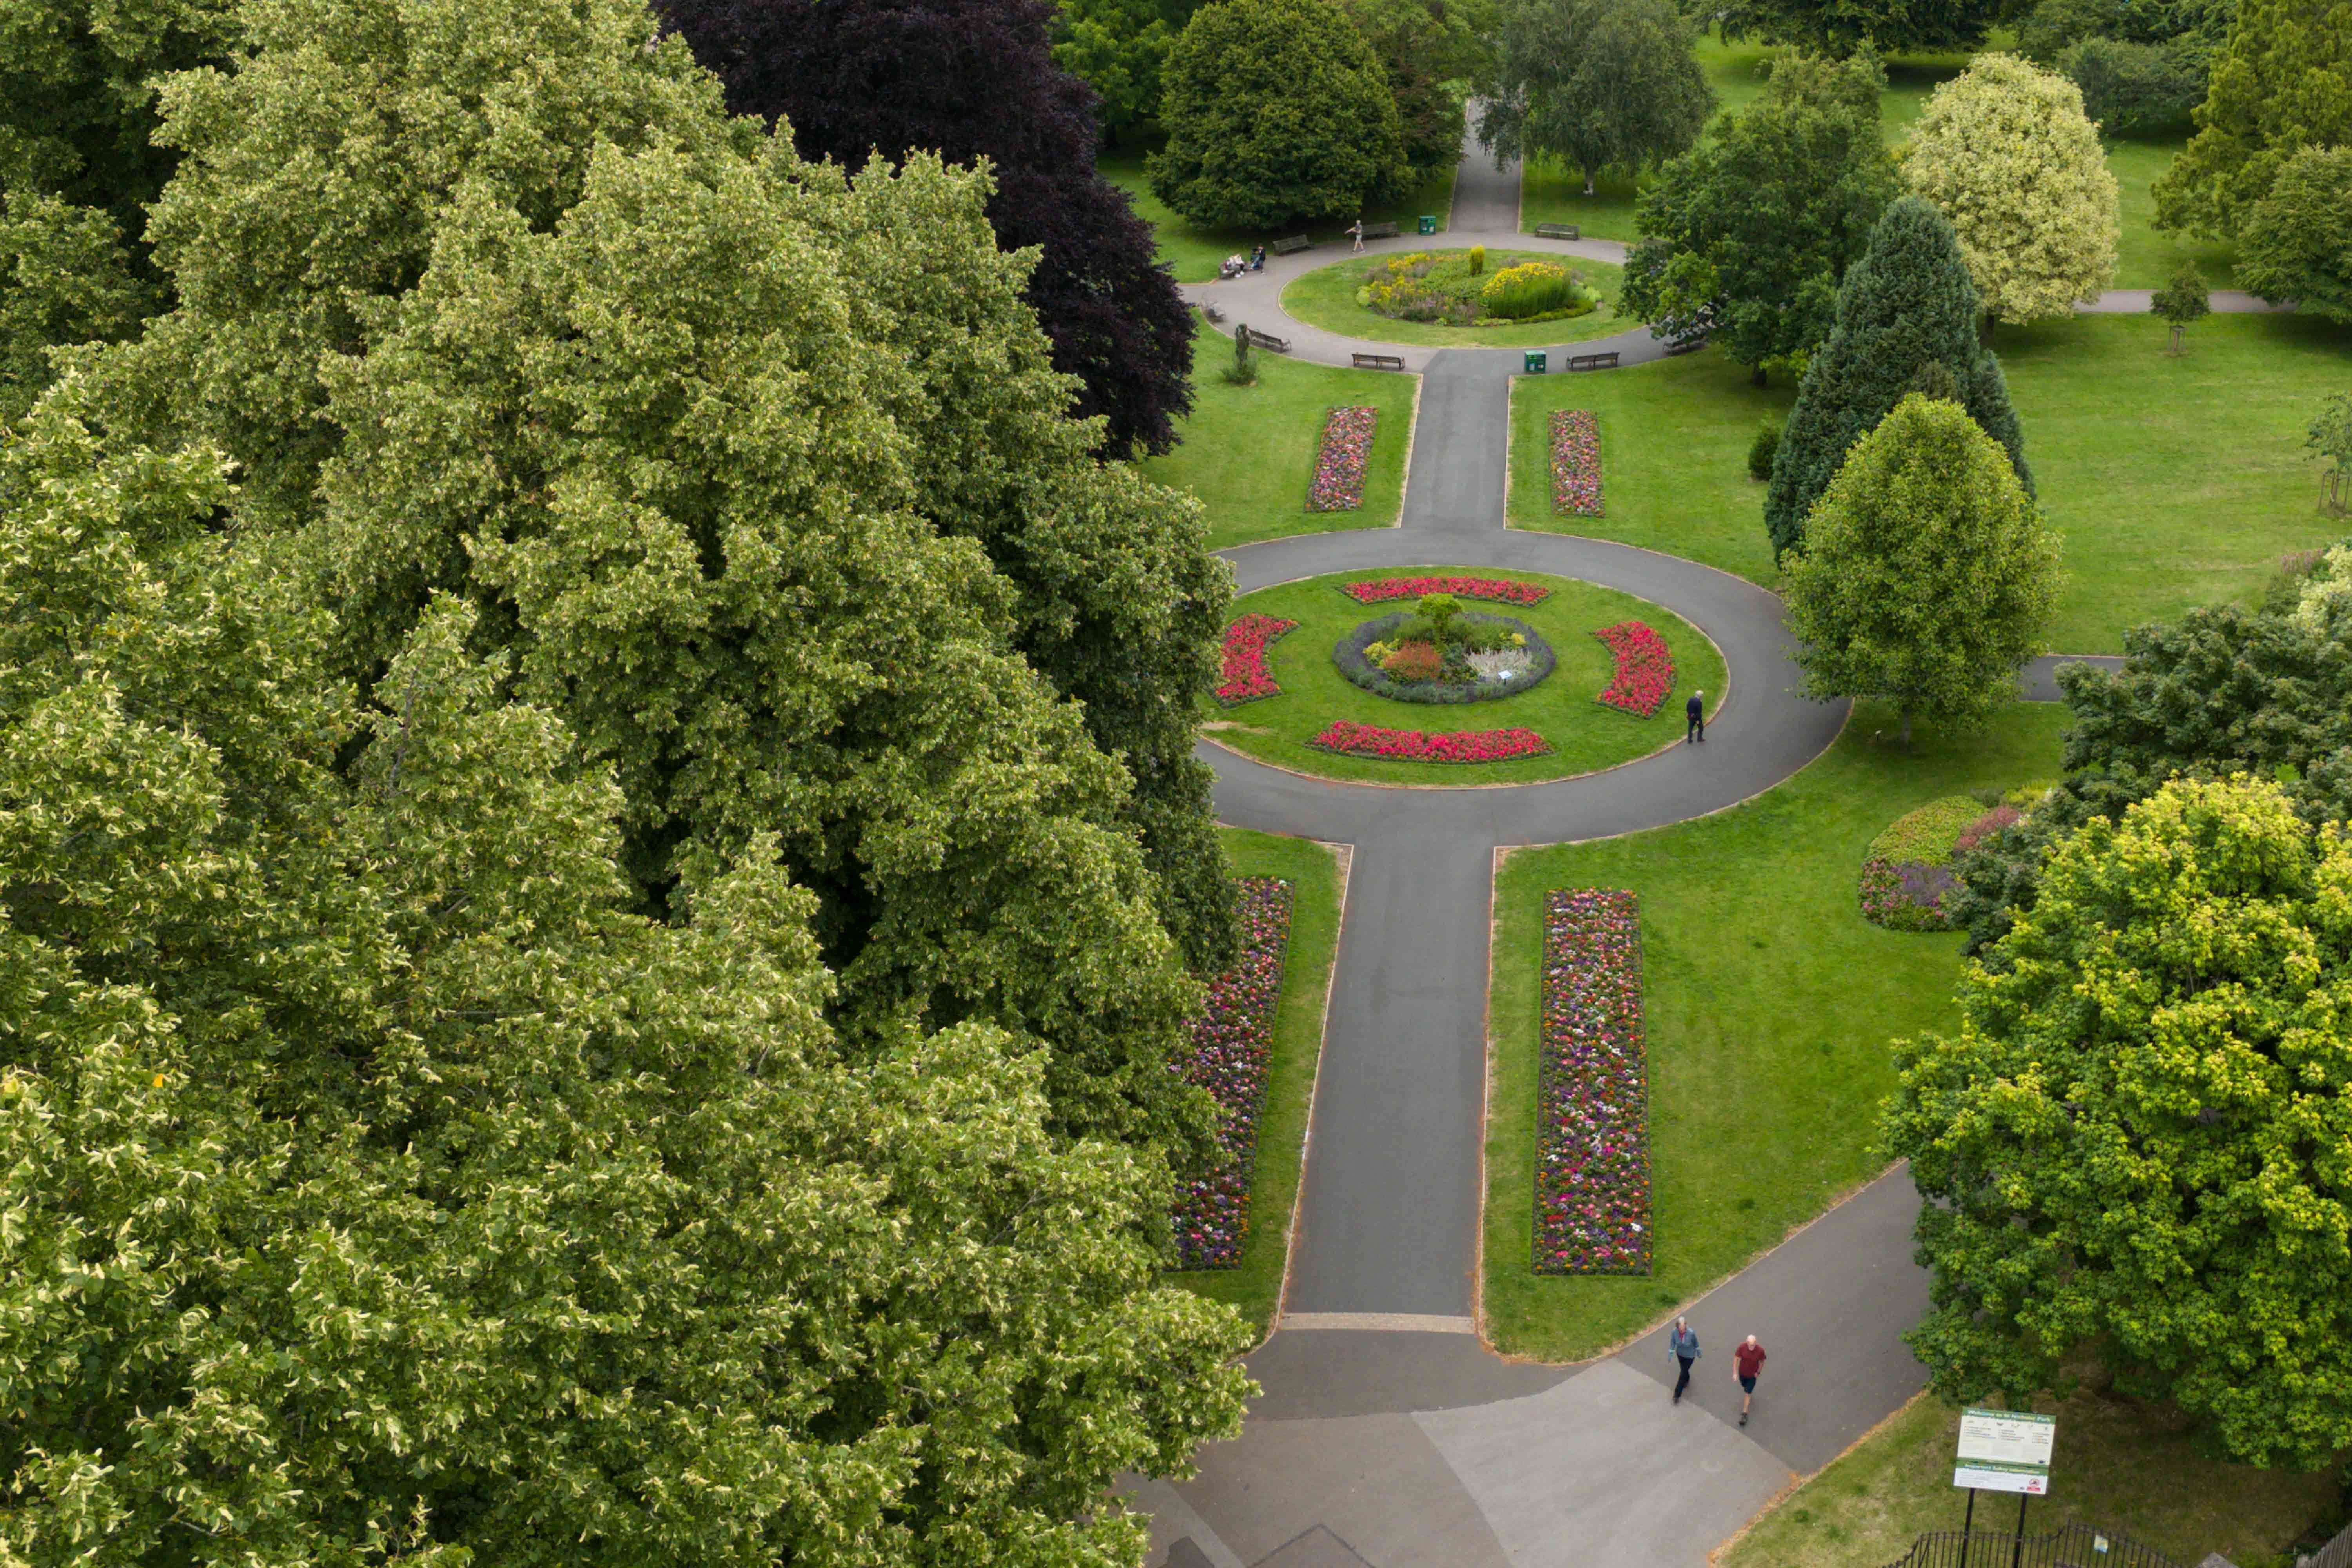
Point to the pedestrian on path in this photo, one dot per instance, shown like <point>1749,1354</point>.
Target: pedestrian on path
<point>1694,716</point>
<point>1748,1361</point>
<point>1358,230</point>
<point>1682,1345</point>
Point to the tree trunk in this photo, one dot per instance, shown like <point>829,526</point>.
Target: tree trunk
<point>1588,181</point>
<point>1755,376</point>
<point>1984,330</point>
<point>2175,350</point>
<point>1906,729</point>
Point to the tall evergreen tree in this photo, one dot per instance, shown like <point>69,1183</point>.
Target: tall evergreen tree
<point>2284,82</point>
<point>1603,85</point>
<point>1906,311</point>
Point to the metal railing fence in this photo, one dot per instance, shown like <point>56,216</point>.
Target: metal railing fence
<point>2070,1546</point>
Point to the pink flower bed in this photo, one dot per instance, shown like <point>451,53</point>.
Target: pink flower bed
<point>1646,670</point>
<point>1501,588</point>
<point>1352,740</point>
<point>1592,1153</point>
<point>1247,676</point>
<point>1575,463</point>
<point>1232,1050</point>
<point>1339,483</point>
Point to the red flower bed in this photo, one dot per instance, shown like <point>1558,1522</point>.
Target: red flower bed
<point>1501,588</point>
<point>1338,484</point>
<point>1352,740</point>
<point>1233,1048</point>
<point>1592,1153</point>
<point>1247,677</point>
<point>1575,463</point>
<point>1646,670</point>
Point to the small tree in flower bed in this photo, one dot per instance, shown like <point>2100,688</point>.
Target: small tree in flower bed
<point>1352,740</point>
<point>1338,484</point>
<point>1502,588</point>
<point>1646,670</point>
<point>1248,678</point>
<point>1575,463</point>
<point>1593,1153</point>
<point>1232,1052</point>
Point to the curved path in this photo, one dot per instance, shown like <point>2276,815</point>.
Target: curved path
<point>1387,1434</point>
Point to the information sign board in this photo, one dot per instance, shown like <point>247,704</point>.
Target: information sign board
<point>2005,1451</point>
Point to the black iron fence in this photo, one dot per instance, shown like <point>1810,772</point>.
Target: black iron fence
<point>2071,1546</point>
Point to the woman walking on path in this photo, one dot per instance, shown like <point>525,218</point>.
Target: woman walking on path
<point>1356,229</point>
<point>1748,1361</point>
<point>1682,1345</point>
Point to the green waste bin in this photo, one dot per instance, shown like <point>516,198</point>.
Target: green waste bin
<point>1534,362</point>
<point>1428,224</point>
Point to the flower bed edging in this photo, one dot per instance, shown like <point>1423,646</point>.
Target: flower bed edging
<point>1248,678</point>
<point>1592,1134</point>
<point>1502,588</point>
<point>1347,739</point>
<point>1575,463</point>
<point>1645,674</point>
<point>1231,1057</point>
<point>1341,458</point>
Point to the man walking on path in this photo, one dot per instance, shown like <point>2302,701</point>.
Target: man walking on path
<point>1748,1361</point>
<point>1682,1345</point>
<point>1695,715</point>
<point>1356,230</point>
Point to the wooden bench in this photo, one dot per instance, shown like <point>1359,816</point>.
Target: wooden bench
<point>1284,247</point>
<point>1557,231</point>
<point>1379,231</point>
<point>1687,345</point>
<point>1593,362</point>
<point>1380,362</point>
<point>1266,340</point>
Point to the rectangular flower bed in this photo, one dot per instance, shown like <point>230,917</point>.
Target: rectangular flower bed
<point>1248,678</point>
<point>1593,1133</point>
<point>1644,676</point>
<point>1232,1052</point>
<point>1575,463</point>
<point>1502,588</point>
<point>1353,740</point>
<point>1339,483</point>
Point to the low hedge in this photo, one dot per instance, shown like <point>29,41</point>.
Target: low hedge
<point>1349,655</point>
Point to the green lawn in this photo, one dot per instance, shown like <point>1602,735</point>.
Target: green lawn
<point>1326,298</point>
<point>1248,452</point>
<point>2174,482</point>
<point>1769,1004</point>
<point>1255,1286</point>
<point>2146,259</point>
<point>1194,253</point>
<point>1584,735</point>
<point>2118,1465</point>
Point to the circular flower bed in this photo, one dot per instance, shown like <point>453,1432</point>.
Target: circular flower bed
<point>1456,288</point>
<point>1409,671</point>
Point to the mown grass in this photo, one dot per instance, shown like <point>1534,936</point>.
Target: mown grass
<point>1326,298</point>
<point>1769,1004</point>
<point>1254,1287</point>
<point>1194,253</point>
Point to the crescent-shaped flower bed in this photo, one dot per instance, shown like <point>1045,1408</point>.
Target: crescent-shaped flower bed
<point>1338,484</point>
<point>1575,463</point>
<point>1247,676</point>
<point>1352,740</point>
<point>1231,1049</point>
<point>1646,670</point>
<point>1502,588</point>
<point>1593,1153</point>
<point>1358,667</point>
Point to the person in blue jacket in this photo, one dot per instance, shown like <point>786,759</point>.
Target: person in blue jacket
<point>1695,712</point>
<point>1682,1345</point>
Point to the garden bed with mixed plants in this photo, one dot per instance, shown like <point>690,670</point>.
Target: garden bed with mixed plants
<point>1644,674</point>
<point>1347,739</point>
<point>1505,590</point>
<point>1575,464</point>
<point>1907,875</point>
<point>1447,655</point>
<point>1248,678</point>
<point>1455,289</point>
<point>1592,1133</point>
<point>1341,461</point>
<point>1232,1050</point>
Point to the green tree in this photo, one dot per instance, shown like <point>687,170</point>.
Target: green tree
<point>1907,308</point>
<point>1927,574</point>
<point>2129,1147</point>
<point>1275,110</point>
<point>2183,301</point>
<point>2005,152</point>
<point>381,1187</point>
<point>1430,49</point>
<point>2284,82</point>
<point>1119,47</point>
<point>2297,241</point>
<point>1603,85</point>
<point>1753,229</point>
<point>1842,26</point>
<point>2331,439</point>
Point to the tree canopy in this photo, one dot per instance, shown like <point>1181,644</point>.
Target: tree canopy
<point>2282,82</point>
<point>2131,1146</point>
<point>2298,242</point>
<point>1603,85</point>
<point>1117,47</point>
<point>1841,27</point>
<point>1432,50</point>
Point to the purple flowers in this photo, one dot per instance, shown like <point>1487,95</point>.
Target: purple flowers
<point>1575,463</point>
<point>1247,675</point>
<point>1501,588</point>
<point>1338,484</point>
<point>1352,740</point>
<point>1592,1138</point>
<point>1232,1047</point>
<point>1646,670</point>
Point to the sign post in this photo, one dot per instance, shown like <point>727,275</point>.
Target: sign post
<point>2004,1451</point>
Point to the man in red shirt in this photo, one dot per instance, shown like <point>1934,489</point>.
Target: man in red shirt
<point>1747,1361</point>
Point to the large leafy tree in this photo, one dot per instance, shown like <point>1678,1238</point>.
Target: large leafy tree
<point>1603,85</point>
<point>1117,47</point>
<point>2132,1146</point>
<point>2284,82</point>
<point>2298,242</point>
<point>1432,50</point>
<point>1275,110</point>
<point>2141,64</point>
<point>1842,26</point>
<point>1768,214</point>
<point>380,1187</point>
<point>2004,151</point>
<point>1927,574</point>
<point>1907,319</point>
<point>972,80</point>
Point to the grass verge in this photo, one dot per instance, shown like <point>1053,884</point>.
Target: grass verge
<point>1326,298</point>
<point>1768,1001</point>
<point>1194,253</point>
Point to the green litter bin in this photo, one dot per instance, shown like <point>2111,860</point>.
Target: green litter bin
<point>1534,362</point>
<point>1428,224</point>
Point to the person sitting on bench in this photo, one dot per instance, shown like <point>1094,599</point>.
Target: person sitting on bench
<point>1234,267</point>
<point>1257,259</point>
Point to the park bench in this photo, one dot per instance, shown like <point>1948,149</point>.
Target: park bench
<point>1687,345</point>
<point>1557,231</point>
<point>1266,340</point>
<point>1379,231</point>
<point>1593,362</point>
<point>1284,247</point>
<point>1380,362</point>
<point>1211,311</point>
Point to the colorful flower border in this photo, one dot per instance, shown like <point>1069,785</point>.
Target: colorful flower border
<point>1381,590</point>
<point>1247,676</point>
<point>1231,1057</point>
<point>1644,676</point>
<point>1592,1136</point>
<point>1575,463</point>
<point>1341,458</point>
<point>1346,738</point>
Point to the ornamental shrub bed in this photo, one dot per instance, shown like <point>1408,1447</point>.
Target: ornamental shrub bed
<point>1339,483</point>
<point>1231,1051</point>
<point>1352,740</point>
<point>1502,588</point>
<point>1644,676</point>
<point>1907,871</point>
<point>1592,1149</point>
<point>1404,683</point>
<point>1575,463</point>
<point>1247,677</point>
<point>1425,285</point>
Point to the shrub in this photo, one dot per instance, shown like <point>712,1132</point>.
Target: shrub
<point>1761,450</point>
<point>1414,661</point>
<point>1533,288</point>
<point>1477,260</point>
<point>1242,371</point>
